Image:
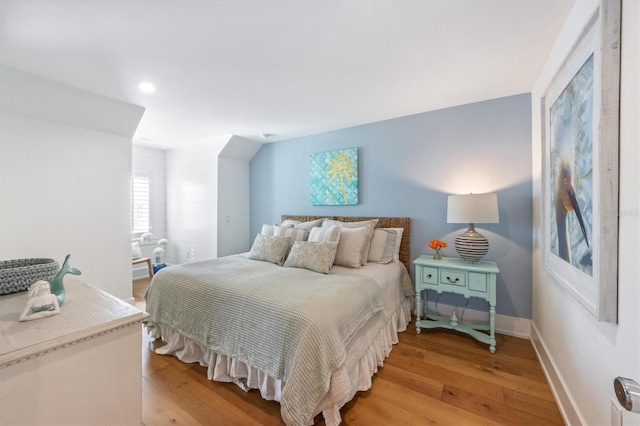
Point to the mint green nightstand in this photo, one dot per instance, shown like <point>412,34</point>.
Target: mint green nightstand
<point>454,275</point>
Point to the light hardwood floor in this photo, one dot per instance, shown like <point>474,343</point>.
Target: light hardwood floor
<point>437,377</point>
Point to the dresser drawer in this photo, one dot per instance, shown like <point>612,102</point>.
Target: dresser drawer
<point>451,277</point>
<point>478,282</point>
<point>429,275</point>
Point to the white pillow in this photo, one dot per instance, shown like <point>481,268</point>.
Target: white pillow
<point>352,241</point>
<point>317,257</point>
<point>399,231</point>
<point>267,230</point>
<point>325,235</point>
<point>383,246</point>
<point>370,223</point>
<point>270,249</point>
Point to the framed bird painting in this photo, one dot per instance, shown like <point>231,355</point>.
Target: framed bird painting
<point>580,112</point>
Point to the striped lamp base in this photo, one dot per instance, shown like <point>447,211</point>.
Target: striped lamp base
<point>471,245</point>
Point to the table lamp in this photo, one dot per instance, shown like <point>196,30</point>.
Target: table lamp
<point>471,209</point>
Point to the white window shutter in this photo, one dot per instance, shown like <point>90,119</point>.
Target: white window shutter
<point>140,207</point>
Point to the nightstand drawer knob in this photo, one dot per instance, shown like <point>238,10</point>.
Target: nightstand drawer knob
<point>452,281</point>
<point>429,276</point>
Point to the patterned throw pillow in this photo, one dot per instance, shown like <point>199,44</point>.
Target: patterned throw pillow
<point>317,257</point>
<point>270,249</point>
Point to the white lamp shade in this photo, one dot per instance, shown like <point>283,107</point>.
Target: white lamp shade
<point>472,208</point>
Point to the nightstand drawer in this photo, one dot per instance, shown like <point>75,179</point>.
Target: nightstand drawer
<point>478,282</point>
<point>451,277</point>
<point>429,275</point>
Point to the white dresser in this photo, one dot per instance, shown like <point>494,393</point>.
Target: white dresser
<point>82,366</point>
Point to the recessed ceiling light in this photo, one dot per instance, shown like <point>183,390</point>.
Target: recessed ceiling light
<point>146,87</point>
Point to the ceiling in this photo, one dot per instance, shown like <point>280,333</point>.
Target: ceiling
<point>286,68</point>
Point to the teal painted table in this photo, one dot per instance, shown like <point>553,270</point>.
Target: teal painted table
<point>454,275</point>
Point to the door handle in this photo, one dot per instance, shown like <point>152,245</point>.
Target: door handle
<point>628,393</point>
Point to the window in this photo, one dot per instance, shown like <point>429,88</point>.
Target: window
<point>140,184</point>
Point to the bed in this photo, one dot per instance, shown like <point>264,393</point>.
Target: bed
<point>259,324</point>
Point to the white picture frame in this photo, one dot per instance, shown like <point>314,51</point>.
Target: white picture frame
<point>580,145</point>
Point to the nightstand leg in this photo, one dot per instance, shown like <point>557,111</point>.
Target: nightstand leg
<point>418,311</point>
<point>492,328</point>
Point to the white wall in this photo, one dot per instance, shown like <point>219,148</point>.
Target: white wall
<point>65,189</point>
<point>192,202</point>
<point>233,206</point>
<point>582,355</point>
<point>208,199</point>
<point>234,195</point>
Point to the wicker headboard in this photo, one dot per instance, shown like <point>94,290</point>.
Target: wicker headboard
<point>383,222</point>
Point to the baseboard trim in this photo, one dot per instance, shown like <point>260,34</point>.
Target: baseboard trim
<point>513,326</point>
<point>563,399</point>
<point>138,273</point>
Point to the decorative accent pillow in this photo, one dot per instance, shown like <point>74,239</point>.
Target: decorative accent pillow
<point>302,225</point>
<point>383,246</point>
<point>267,230</point>
<point>325,235</point>
<point>270,249</point>
<point>396,253</point>
<point>295,233</point>
<point>371,223</point>
<point>317,257</point>
<point>352,241</point>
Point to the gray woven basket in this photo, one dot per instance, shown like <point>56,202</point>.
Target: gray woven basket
<point>18,274</point>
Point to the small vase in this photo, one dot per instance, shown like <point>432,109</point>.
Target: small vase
<point>437,255</point>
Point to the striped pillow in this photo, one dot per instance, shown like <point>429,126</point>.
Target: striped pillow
<point>370,223</point>
<point>303,225</point>
<point>383,246</point>
<point>399,232</point>
<point>325,235</point>
<point>296,234</point>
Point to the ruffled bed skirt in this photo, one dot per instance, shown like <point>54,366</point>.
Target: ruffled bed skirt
<point>365,353</point>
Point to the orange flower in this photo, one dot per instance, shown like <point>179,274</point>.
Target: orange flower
<point>436,244</point>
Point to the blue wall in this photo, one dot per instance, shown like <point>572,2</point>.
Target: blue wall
<point>408,166</point>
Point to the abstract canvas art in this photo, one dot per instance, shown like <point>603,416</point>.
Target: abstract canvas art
<point>334,178</point>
